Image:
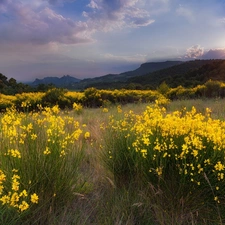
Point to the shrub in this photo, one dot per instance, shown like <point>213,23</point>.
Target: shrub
<point>92,98</point>
<point>56,96</point>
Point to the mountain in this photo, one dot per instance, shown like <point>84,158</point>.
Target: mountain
<point>187,74</point>
<point>148,75</point>
<point>65,81</point>
<point>118,80</point>
<point>149,67</point>
<point>151,75</point>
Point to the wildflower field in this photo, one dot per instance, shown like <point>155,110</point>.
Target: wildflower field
<point>144,164</point>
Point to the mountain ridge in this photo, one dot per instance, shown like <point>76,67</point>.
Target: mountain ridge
<point>63,81</point>
<point>149,75</point>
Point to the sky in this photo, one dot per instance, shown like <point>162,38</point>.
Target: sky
<point>90,38</point>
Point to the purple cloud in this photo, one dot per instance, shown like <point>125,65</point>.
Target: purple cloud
<point>110,14</point>
<point>22,22</point>
<point>197,52</point>
<point>215,54</point>
<point>58,2</point>
<point>25,24</point>
<point>194,52</point>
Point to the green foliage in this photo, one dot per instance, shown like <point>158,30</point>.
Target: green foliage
<point>92,97</point>
<point>11,87</point>
<point>119,159</point>
<point>44,87</point>
<point>163,88</point>
<point>187,74</point>
<point>56,96</point>
<point>181,93</point>
<point>212,89</point>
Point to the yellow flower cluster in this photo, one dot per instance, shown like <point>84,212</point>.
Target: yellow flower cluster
<point>190,142</point>
<point>7,100</point>
<point>185,136</point>
<point>26,137</point>
<point>105,110</point>
<point>75,95</point>
<point>77,107</point>
<point>14,197</point>
<point>62,130</point>
<point>14,153</point>
<point>87,135</point>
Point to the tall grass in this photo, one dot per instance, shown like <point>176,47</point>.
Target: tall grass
<point>132,164</point>
<point>45,151</point>
<point>217,106</point>
<point>176,159</point>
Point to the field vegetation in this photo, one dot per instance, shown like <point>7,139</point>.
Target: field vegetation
<point>92,97</point>
<point>157,162</point>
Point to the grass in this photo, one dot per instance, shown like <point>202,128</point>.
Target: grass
<point>100,179</point>
<point>217,106</point>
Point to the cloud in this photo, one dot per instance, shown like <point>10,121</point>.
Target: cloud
<point>117,14</point>
<point>58,2</point>
<point>140,58</point>
<point>215,54</point>
<point>197,52</point>
<point>25,22</point>
<point>93,5</point>
<point>185,12</point>
<point>194,52</point>
<point>141,22</point>
<point>221,21</point>
<point>39,26</point>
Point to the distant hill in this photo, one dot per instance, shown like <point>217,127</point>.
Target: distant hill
<point>149,67</point>
<point>187,74</point>
<point>65,81</point>
<point>151,75</point>
<point>118,80</point>
<point>148,75</point>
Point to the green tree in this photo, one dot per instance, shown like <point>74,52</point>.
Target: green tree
<point>163,88</point>
<point>12,82</point>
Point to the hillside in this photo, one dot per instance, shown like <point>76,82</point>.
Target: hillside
<point>174,73</point>
<point>187,74</point>
<point>149,68</point>
<point>119,80</point>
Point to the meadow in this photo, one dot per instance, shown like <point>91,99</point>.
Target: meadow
<point>133,164</point>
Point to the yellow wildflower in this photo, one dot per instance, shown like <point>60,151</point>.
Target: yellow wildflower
<point>159,171</point>
<point>23,206</point>
<point>23,193</point>
<point>14,153</point>
<point>34,198</point>
<point>87,135</point>
<point>14,199</point>
<point>33,136</point>
<point>5,199</point>
<point>219,166</point>
<point>105,110</point>
<point>47,151</point>
<point>144,152</point>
